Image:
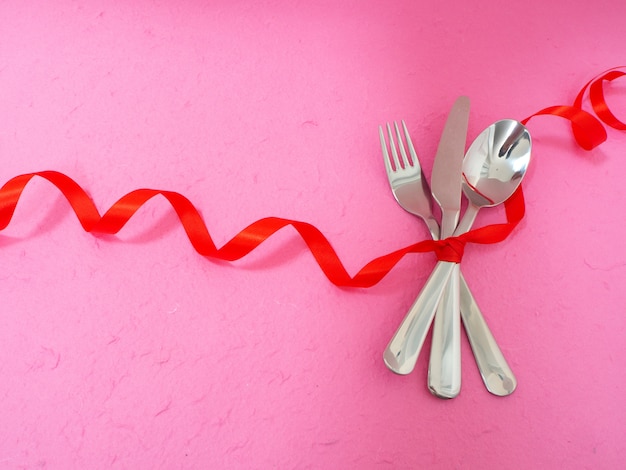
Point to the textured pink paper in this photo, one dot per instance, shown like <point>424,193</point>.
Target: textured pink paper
<point>135,352</point>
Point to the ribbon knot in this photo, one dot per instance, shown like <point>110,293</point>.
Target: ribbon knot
<point>450,249</point>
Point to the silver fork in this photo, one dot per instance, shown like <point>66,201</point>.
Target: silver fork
<point>411,191</point>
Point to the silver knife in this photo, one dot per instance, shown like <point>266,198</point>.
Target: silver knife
<point>444,369</point>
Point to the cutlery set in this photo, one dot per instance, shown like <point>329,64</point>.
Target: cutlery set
<point>487,174</point>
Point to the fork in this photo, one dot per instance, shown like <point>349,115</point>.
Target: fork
<point>411,191</point>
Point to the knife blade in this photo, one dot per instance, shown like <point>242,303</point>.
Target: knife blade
<point>447,167</point>
<point>444,368</point>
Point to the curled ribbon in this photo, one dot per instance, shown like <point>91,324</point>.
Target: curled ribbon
<point>588,130</point>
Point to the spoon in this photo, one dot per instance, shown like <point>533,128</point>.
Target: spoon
<point>493,168</point>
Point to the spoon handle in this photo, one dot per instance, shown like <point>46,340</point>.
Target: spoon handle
<point>494,370</point>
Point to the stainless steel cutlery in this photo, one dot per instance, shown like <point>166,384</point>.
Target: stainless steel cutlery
<point>488,174</point>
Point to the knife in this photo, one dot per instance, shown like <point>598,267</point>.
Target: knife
<point>444,369</point>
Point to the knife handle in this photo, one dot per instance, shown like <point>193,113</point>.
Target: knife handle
<point>444,367</point>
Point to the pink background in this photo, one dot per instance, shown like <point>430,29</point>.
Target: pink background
<point>136,352</point>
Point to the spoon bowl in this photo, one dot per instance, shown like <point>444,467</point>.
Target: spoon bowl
<point>493,167</point>
<point>496,162</point>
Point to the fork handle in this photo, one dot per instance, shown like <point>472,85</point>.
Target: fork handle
<point>404,348</point>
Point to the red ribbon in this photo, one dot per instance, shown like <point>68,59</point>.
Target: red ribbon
<point>588,131</point>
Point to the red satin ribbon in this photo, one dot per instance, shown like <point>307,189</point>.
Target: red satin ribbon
<point>588,131</point>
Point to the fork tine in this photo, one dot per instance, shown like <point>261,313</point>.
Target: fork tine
<point>383,146</point>
<point>405,160</point>
<point>416,162</point>
<point>394,152</point>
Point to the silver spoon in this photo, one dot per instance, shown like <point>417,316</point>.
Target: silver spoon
<point>493,168</point>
